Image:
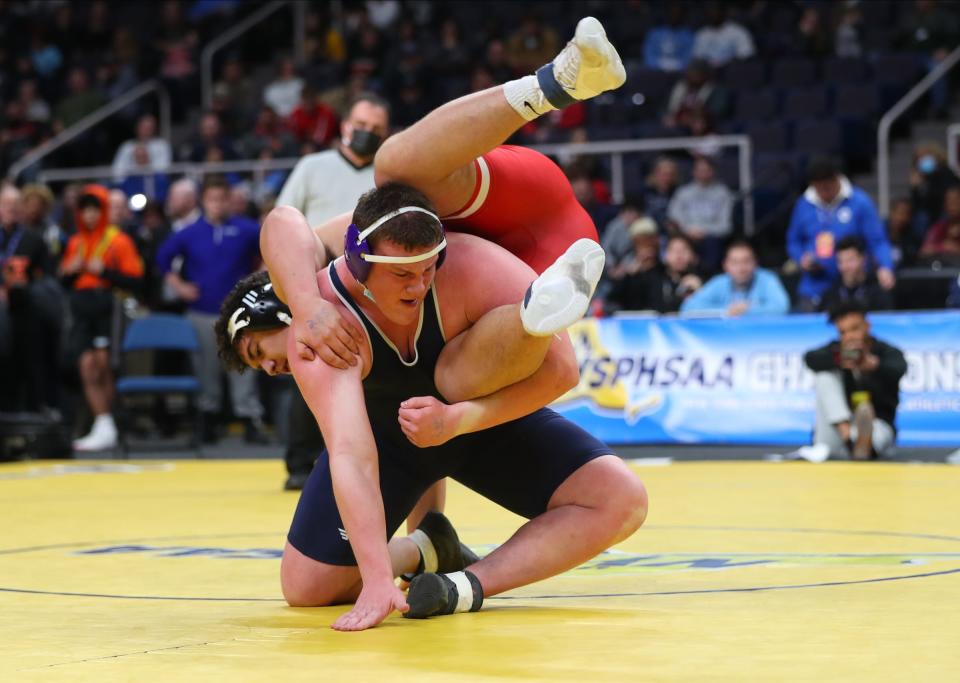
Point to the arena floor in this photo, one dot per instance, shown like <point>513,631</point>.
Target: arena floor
<point>168,570</point>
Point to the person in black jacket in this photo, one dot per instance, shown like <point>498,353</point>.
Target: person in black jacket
<point>857,387</point>
<point>856,282</point>
<point>23,261</point>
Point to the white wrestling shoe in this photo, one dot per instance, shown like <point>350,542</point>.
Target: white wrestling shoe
<point>561,295</point>
<point>587,66</point>
<point>102,436</point>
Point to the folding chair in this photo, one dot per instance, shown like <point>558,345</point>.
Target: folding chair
<point>158,332</point>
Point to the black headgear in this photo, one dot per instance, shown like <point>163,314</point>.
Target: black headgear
<point>260,309</point>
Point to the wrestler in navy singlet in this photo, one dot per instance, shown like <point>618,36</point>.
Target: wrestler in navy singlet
<point>518,464</point>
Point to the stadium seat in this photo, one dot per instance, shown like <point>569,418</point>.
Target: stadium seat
<point>745,75</point>
<point>753,105</point>
<point>158,332</point>
<point>857,101</point>
<point>768,136</point>
<point>817,136</point>
<point>897,68</point>
<point>838,70</point>
<point>805,103</point>
<point>792,72</point>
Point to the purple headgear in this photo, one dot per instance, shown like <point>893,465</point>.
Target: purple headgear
<point>359,256</point>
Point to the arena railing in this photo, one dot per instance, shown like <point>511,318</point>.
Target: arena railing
<point>206,56</point>
<point>616,149</point>
<point>953,147</point>
<point>87,122</point>
<point>895,112</point>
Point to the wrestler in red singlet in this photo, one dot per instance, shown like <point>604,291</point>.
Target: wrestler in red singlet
<point>523,202</point>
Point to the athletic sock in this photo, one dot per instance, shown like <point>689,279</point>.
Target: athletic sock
<point>526,96</point>
<point>428,555</point>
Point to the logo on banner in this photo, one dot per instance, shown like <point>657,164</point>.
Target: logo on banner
<point>635,383</point>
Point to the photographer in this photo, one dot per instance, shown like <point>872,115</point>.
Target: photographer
<point>857,388</point>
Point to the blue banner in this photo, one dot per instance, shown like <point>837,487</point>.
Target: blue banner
<point>743,380</point>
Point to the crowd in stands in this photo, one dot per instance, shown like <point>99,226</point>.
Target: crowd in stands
<point>782,72</point>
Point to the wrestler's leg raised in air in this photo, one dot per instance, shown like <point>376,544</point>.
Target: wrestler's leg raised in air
<point>436,155</point>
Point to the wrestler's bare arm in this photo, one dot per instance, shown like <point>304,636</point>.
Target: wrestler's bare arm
<point>336,400</point>
<point>294,253</point>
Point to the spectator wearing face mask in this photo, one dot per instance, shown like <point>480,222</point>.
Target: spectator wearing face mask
<point>929,179</point>
<point>329,183</point>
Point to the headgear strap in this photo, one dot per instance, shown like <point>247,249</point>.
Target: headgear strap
<point>376,258</point>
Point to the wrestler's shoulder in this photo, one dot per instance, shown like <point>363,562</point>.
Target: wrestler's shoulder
<point>465,248</point>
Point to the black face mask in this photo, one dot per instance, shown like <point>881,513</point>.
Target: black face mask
<point>365,143</point>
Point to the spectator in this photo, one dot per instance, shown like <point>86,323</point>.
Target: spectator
<point>662,288</point>
<point>848,37</point>
<point>182,207</point>
<point>930,177</point>
<point>857,387</point>
<point>217,251</point>
<point>99,259</point>
<point>659,190</point>
<point>722,40</point>
<point>23,261</point>
<point>696,101</point>
<point>904,243</point>
<point>151,232</point>
<point>209,137</point>
<point>943,241</point>
<point>703,210</point>
<point>236,92</point>
<point>321,186</point>
<point>669,47</point>
<point>812,37</point>
<point>831,209</point>
<point>37,204</point>
<point>617,243</point>
<point>585,189</point>
<point>283,93</point>
<point>142,179</point>
<point>531,46</point>
<point>328,183</point>
<point>855,283</point>
<point>118,211</point>
<point>81,101</point>
<point>269,133</point>
<point>742,289</point>
<point>35,109</point>
<point>313,120</point>
<point>159,155</point>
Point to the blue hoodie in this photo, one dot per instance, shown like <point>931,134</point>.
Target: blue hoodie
<point>816,228</point>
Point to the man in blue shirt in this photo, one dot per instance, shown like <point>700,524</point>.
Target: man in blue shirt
<point>669,46</point>
<point>742,289</point>
<point>217,251</point>
<point>829,210</point>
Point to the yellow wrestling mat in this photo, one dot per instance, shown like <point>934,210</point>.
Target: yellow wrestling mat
<point>744,572</point>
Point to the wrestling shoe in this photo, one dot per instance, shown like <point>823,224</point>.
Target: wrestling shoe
<point>432,595</point>
<point>586,67</point>
<point>561,295</point>
<point>440,547</point>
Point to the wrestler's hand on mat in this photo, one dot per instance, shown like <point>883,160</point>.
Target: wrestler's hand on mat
<point>320,330</point>
<point>428,422</point>
<point>374,604</point>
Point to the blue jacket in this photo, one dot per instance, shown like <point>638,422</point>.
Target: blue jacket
<point>668,48</point>
<point>817,228</point>
<point>214,258</point>
<point>765,295</point>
